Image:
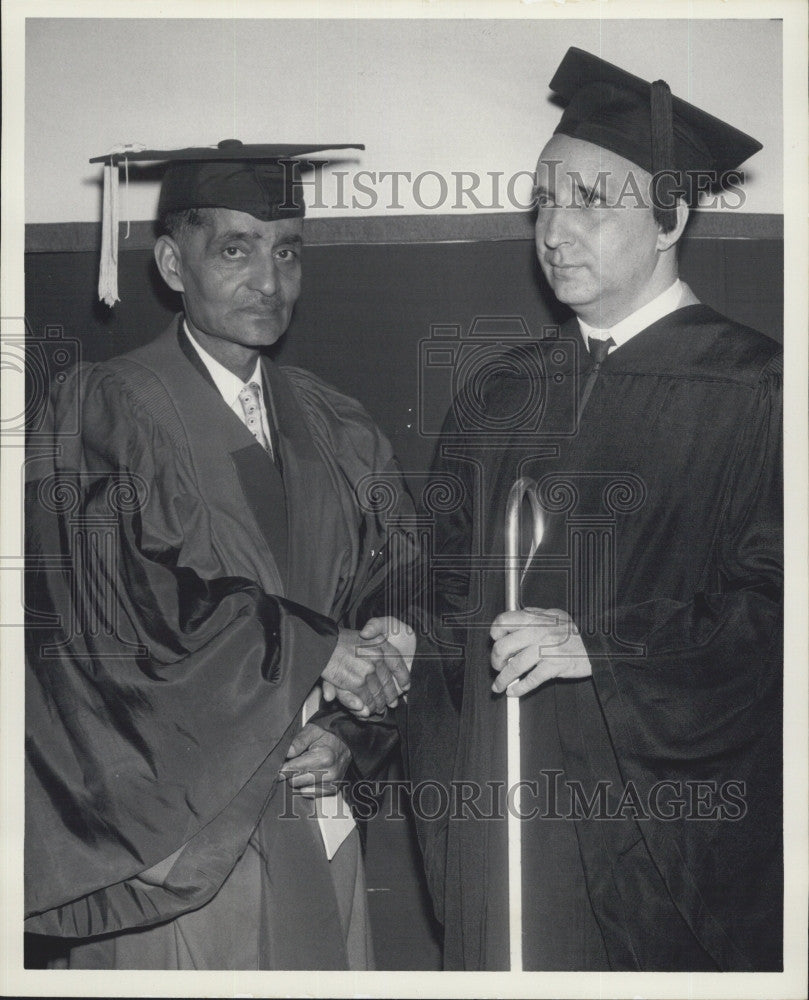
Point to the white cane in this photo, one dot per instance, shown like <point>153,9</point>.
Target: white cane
<point>514,572</point>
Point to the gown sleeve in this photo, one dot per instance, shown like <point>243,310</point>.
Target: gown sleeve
<point>376,494</point>
<point>160,701</point>
<point>719,646</point>
<point>704,706</point>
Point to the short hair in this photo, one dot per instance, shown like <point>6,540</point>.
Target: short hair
<point>665,218</point>
<point>177,224</point>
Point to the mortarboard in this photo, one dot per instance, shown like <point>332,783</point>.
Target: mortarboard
<point>261,180</point>
<point>642,121</point>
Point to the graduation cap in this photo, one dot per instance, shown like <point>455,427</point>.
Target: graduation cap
<point>262,180</point>
<point>644,123</point>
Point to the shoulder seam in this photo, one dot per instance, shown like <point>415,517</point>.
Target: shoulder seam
<point>149,394</point>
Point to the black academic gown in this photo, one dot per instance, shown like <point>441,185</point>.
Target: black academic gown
<point>184,601</point>
<point>663,541</point>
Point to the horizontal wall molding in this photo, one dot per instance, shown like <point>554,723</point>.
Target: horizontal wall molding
<point>82,237</point>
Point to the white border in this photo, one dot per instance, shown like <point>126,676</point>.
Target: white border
<point>785,986</point>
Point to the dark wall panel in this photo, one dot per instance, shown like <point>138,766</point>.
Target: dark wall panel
<point>365,309</point>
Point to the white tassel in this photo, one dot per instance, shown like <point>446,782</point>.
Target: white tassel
<point>108,272</point>
<point>126,196</point>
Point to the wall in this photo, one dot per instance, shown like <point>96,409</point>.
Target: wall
<point>366,309</point>
<point>424,95</point>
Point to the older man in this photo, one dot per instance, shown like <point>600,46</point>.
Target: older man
<point>199,553</point>
<point>647,654</point>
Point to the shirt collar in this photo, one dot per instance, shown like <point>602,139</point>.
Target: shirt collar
<point>228,384</point>
<point>660,306</point>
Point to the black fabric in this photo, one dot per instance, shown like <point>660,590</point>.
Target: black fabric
<point>371,743</point>
<point>613,109</point>
<point>226,151</point>
<point>267,191</point>
<point>662,129</point>
<point>263,490</point>
<point>663,542</point>
<point>259,179</point>
<point>599,349</point>
<point>169,655</point>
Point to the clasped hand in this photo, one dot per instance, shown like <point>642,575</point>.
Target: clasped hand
<point>533,646</point>
<point>316,762</point>
<point>369,669</point>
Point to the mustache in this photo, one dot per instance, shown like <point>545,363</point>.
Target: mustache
<point>265,302</point>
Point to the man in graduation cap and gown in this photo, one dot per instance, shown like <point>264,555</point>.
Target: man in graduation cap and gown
<point>200,561</point>
<point>647,651</point>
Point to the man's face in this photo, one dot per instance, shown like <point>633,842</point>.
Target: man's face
<point>596,244</point>
<point>240,277</point>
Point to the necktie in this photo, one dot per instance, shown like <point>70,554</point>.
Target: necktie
<point>250,398</point>
<point>598,351</point>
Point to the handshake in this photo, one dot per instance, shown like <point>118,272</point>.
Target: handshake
<point>369,669</point>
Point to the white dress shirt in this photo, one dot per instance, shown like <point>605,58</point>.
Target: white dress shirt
<point>674,297</point>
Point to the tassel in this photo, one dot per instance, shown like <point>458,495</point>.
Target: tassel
<point>108,272</point>
<point>663,153</point>
<point>126,196</point>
